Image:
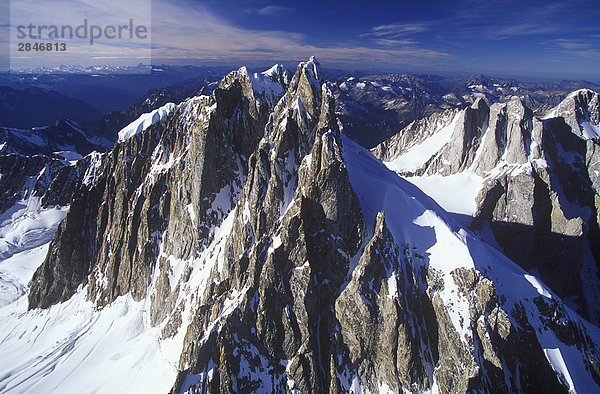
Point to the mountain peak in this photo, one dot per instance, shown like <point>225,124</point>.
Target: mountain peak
<point>580,93</point>
<point>240,75</point>
<point>312,70</point>
<point>278,73</point>
<point>480,103</point>
<point>581,111</point>
<point>305,90</point>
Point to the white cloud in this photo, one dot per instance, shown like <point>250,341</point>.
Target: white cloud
<point>396,30</point>
<point>189,31</point>
<point>583,48</point>
<point>395,43</point>
<point>274,10</point>
<point>522,29</point>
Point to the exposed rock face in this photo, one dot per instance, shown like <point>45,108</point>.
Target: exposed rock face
<point>544,213</point>
<point>295,225</point>
<point>49,178</point>
<point>581,111</point>
<point>460,152</point>
<point>508,138</point>
<point>33,163</point>
<point>539,193</point>
<point>290,260</point>
<point>413,134</point>
<point>145,190</point>
<point>463,130</point>
<point>40,162</point>
<point>388,336</point>
<point>16,171</point>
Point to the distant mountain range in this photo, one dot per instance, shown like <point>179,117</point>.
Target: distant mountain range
<point>105,90</point>
<point>33,107</point>
<point>372,107</point>
<point>375,107</point>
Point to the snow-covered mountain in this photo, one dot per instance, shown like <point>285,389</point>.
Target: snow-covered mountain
<point>242,243</point>
<point>375,107</point>
<point>65,135</point>
<point>527,185</point>
<point>42,160</point>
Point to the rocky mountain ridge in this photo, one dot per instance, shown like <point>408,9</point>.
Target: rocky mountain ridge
<point>375,107</point>
<point>290,259</point>
<point>539,183</point>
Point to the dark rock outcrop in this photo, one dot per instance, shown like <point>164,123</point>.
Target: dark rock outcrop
<point>143,189</point>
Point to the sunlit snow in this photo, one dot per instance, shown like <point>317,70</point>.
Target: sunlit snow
<point>145,121</point>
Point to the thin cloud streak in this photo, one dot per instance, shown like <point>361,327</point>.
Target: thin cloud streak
<point>274,10</point>
<point>581,48</point>
<point>396,30</point>
<point>522,29</point>
<point>394,43</point>
<point>184,32</point>
<point>502,20</point>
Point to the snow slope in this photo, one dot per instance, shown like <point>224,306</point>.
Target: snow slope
<point>16,272</point>
<point>145,121</point>
<point>455,193</point>
<point>589,130</point>
<point>416,156</point>
<point>266,82</point>
<point>577,113</point>
<point>26,226</point>
<point>71,347</point>
<point>269,85</point>
<point>417,220</point>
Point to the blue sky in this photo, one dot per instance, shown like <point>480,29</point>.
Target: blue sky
<point>538,40</point>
